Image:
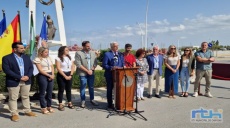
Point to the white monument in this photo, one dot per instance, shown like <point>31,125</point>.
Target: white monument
<point>31,4</point>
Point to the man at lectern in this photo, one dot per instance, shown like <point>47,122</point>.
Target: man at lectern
<point>113,59</point>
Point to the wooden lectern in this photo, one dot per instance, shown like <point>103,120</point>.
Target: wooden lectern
<point>121,81</point>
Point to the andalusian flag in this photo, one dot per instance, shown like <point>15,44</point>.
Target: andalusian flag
<point>32,35</point>
<point>10,35</point>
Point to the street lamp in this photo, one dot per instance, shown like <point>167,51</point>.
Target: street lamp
<point>142,36</point>
<point>146,18</point>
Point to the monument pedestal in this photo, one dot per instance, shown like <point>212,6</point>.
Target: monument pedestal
<point>52,43</point>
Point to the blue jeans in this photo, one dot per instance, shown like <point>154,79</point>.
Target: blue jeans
<point>184,79</point>
<point>84,80</point>
<point>45,90</point>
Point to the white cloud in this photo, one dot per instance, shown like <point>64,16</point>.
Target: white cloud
<point>177,28</point>
<point>189,31</point>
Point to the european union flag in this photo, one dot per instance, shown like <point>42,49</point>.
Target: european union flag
<point>43,34</point>
<point>3,24</point>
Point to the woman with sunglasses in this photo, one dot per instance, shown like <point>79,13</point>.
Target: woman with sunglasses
<point>45,79</point>
<point>172,63</point>
<point>65,66</point>
<point>186,70</point>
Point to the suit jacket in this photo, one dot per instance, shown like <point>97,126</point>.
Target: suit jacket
<point>12,71</point>
<point>81,60</point>
<point>108,62</point>
<point>150,60</point>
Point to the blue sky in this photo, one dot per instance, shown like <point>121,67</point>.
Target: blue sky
<point>187,22</point>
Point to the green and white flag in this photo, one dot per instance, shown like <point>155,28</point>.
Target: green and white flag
<point>32,36</point>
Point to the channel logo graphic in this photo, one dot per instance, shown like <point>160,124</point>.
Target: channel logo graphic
<point>206,116</point>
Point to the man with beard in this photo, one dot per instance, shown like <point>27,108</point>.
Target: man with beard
<point>130,60</point>
<point>18,69</point>
<point>86,62</point>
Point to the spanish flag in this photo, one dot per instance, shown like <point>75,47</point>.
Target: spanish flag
<point>10,35</point>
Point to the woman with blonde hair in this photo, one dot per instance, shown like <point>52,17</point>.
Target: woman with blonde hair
<point>45,79</point>
<point>172,63</point>
<point>186,70</point>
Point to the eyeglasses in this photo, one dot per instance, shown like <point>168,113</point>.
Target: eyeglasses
<point>186,50</point>
<point>173,48</point>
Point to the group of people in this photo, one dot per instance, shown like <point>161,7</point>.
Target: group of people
<point>18,68</point>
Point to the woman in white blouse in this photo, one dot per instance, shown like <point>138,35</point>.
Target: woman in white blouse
<point>186,70</point>
<point>45,79</point>
<point>65,67</point>
<point>172,63</point>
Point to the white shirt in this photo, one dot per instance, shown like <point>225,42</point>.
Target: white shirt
<point>185,63</point>
<point>66,64</point>
<point>173,60</point>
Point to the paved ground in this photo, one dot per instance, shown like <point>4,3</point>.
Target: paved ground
<point>164,112</point>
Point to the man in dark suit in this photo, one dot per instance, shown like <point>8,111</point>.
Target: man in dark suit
<point>18,69</point>
<point>111,61</point>
<point>155,62</point>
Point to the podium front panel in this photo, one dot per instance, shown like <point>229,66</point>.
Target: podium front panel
<point>122,83</point>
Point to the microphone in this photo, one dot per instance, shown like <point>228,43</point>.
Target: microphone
<point>115,59</point>
<point>126,78</point>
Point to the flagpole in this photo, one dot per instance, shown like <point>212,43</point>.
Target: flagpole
<point>19,26</point>
<point>31,22</point>
<point>3,13</point>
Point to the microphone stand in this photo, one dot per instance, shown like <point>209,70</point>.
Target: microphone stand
<point>126,80</point>
<point>136,109</point>
<point>125,110</point>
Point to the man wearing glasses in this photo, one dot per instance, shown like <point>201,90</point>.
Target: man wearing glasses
<point>204,59</point>
<point>112,60</point>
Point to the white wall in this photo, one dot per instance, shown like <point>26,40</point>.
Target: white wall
<point>54,54</point>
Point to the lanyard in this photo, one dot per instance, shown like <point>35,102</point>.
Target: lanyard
<point>47,62</point>
<point>20,63</point>
<point>67,62</point>
<point>88,57</point>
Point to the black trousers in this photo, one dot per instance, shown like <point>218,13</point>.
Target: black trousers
<point>45,90</point>
<point>64,84</point>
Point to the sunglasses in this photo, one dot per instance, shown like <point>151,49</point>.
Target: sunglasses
<point>173,48</point>
<point>186,50</point>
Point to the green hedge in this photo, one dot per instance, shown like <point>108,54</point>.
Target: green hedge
<point>99,81</point>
